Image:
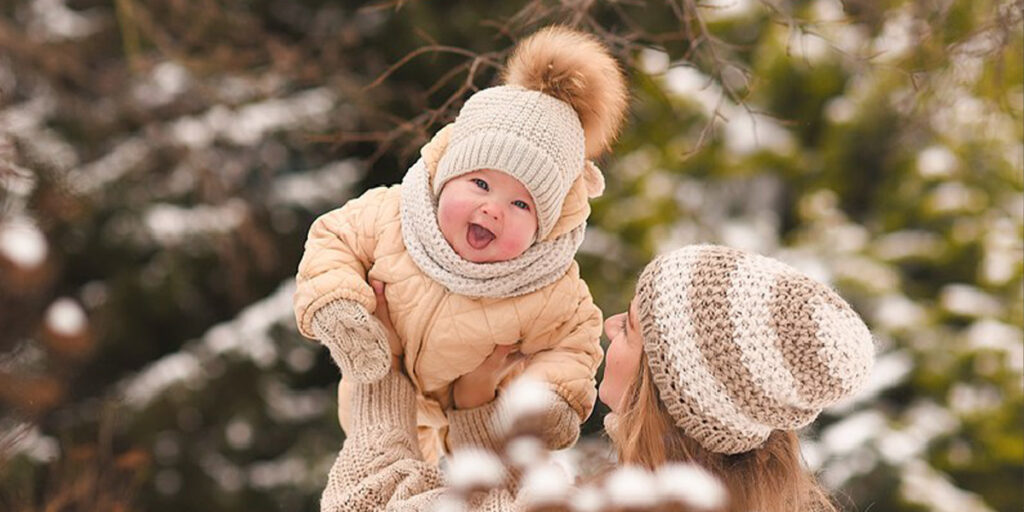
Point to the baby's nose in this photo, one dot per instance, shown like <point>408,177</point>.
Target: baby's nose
<point>492,211</point>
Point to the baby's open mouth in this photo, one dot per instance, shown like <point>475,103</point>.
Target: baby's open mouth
<point>478,236</point>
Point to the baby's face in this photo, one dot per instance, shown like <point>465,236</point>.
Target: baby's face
<point>487,216</point>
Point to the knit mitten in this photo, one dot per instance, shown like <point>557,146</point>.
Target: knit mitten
<point>356,339</point>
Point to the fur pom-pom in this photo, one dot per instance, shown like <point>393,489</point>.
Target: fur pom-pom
<point>577,69</point>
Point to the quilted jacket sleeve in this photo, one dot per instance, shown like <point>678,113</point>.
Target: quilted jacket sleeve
<point>338,254</point>
<point>565,351</point>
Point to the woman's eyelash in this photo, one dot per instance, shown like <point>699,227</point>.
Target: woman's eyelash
<point>624,323</point>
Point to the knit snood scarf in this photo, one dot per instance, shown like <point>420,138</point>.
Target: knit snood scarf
<point>540,265</point>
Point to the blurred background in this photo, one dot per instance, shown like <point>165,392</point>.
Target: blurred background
<point>162,160</point>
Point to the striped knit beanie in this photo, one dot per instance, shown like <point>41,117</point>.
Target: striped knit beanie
<point>740,345</point>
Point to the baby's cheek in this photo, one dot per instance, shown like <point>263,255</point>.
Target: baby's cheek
<point>518,243</point>
<point>448,215</point>
<point>444,222</point>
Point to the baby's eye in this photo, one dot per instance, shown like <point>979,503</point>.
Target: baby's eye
<point>519,203</point>
<point>481,183</point>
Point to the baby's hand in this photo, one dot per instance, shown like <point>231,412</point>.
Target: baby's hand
<point>479,386</point>
<point>384,316</point>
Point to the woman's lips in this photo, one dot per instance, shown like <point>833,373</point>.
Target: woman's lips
<point>478,236</point>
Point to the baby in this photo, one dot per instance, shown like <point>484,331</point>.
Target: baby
<point>476,245</point>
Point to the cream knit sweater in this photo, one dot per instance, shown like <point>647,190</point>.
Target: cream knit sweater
<point>380,466</point>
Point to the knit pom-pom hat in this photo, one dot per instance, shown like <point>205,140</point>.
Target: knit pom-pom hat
<point>740,345</point>
<point>563,103</point>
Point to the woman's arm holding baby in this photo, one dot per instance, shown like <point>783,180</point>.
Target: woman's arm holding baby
<point>380,466</point>
<point>380,462</point>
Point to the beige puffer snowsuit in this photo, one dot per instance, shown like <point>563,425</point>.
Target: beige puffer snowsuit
<point>447,335</point>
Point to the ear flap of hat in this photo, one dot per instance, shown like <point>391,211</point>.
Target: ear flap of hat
<point>575,208</point>
<point>593,178</point>
<point>434,150</point>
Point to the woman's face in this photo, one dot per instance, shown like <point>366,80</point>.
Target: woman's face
<point>622,359</point>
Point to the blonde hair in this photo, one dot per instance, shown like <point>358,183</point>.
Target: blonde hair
<point>771,478</point>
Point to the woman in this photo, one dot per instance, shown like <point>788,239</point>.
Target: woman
<point>721,356</point>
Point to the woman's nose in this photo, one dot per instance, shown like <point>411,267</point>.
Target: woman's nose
<point>610,325</point>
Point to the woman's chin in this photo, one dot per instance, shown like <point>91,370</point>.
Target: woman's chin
<point>601,395</point>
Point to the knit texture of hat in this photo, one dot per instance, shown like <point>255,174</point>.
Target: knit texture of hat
<point>527,134</point>
<point>740,345</point>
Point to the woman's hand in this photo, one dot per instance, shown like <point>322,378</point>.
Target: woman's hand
<point>384,316</point>
<point>479,386</point>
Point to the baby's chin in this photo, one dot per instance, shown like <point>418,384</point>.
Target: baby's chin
<point>475,258</point>
<point>478,256</point>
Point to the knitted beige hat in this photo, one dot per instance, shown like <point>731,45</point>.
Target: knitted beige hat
<point>740,345</point>
<point>563,102</point>
<point>529,135</point>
